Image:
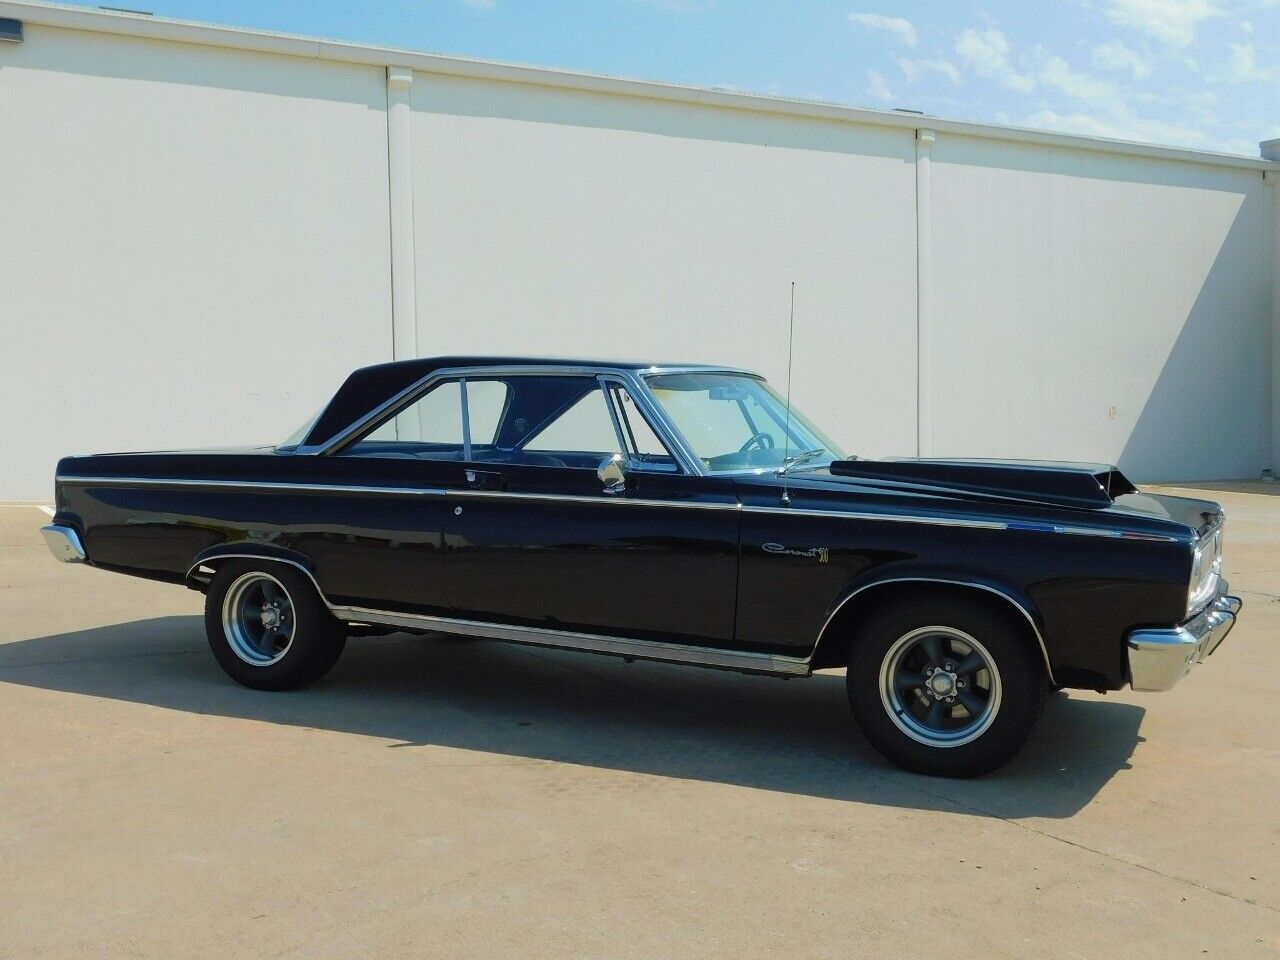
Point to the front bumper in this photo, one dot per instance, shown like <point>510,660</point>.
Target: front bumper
<point>64,543</point>
<point>1159,658</point>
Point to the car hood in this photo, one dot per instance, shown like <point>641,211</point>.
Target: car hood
<point>1093,487</point>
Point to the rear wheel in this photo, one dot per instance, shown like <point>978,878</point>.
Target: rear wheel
<point>948,686</point>
<point>268,627</point>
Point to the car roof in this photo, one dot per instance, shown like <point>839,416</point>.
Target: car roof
<point>432,363</point>
<point>368,388</point>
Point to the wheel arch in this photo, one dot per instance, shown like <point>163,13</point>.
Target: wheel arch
<point>839,631</point>
<point>207,562</point>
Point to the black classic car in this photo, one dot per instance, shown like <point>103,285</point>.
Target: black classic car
<point>678,513</point>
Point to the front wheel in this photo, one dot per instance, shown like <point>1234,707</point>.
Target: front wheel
<point>268,627</point>
<point>948,686</point>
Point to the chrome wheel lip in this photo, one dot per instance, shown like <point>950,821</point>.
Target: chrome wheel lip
<point>243,623</point>
<point>897,708</point>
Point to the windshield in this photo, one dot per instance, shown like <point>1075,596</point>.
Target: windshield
<point>736,422</point>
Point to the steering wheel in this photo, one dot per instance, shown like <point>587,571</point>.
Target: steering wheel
<point>761,440</point>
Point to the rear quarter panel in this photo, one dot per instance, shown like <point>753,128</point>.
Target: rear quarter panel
<point>384,546</point>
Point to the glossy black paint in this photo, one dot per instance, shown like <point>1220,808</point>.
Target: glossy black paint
<point>752,562</point>
<point>1055,484</point>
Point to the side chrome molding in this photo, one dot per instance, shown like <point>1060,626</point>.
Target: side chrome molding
<point>210,561</point>
<point>743,661</point>
<point>740,660</point>
<point>1044,651</point>
<point>387,491</point>
<point>932,520</point>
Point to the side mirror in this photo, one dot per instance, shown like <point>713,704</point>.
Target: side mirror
<point>613,473</point>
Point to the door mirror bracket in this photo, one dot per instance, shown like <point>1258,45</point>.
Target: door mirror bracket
<point>613,474</point>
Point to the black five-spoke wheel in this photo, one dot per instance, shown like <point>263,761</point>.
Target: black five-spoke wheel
<point>947,684</point>
<point>258,618</point>
<point>268,626</point>
<point>940,686</point>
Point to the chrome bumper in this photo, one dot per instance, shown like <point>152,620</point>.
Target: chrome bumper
<point>64,543</point>
<point>1160,658</point>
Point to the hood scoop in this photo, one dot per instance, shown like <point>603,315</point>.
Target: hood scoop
<point>1085,485</point>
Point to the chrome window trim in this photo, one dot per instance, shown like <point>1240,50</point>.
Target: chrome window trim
<point>630,377</point>
<point>627,433</point>
<point>662,425</point>
<point>1044,650</point>
<point>602,384</point>
<point>466,419</point>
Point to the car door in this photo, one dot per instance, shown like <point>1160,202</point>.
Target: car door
<point>536,539</point>
<point>381,544</point>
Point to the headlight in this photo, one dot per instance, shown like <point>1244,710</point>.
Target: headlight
<point>1206,569</point>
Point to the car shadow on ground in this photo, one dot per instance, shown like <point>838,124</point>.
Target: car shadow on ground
<point>478,695</point>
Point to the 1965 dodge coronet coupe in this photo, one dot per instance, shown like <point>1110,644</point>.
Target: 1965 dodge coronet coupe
<point>672,512</point>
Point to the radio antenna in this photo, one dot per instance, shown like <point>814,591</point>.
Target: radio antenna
<point>786,447</point>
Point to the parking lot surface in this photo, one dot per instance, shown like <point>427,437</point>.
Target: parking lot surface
<point>448,798</point>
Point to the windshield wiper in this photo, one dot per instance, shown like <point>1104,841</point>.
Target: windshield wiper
<point>799,458</point>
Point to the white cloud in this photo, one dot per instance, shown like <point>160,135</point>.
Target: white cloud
<point>1246,26</point>
<point>902,29</point>
<point>1114,55</point>
<point>1135,128</point>
<point>1173,22</point>
<point>1243,66</point>
<point>987,53</point>
<point>1054,72</point>
<point>878,87</point>
<point>913,70</point>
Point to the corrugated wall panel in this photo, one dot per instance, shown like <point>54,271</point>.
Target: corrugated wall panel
<point>570,223</point>
<point>1100,307</point>
<point>193,247</point>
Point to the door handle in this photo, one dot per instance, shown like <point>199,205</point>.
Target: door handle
<point>485,480</point>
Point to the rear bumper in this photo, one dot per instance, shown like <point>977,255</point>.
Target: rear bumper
<point>64,543</point>
<point>1159,658</point>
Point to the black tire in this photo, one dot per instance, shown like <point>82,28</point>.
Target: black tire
<point>948,738</point>
<point>262,657</point>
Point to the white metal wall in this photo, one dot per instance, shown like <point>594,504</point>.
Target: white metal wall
<point>1101,307</point>
<point>199,240</point>
<point>193,245</point>
<point>560,222</point>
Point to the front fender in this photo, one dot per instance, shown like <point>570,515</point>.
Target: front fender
<point>864,586</point>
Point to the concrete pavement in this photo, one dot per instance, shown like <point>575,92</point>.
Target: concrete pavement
<point>443,798</point>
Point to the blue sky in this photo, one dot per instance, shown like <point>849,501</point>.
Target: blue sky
<point>1194,73</point>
